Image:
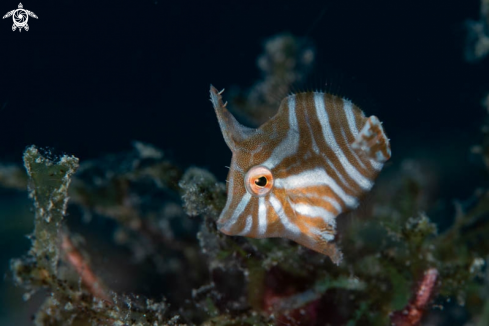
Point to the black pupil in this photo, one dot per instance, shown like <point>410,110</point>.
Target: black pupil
<point>261,181</point>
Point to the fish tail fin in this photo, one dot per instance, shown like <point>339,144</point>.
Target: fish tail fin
<point>372,141</point>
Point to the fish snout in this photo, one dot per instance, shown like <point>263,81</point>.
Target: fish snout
<point>222,226</point>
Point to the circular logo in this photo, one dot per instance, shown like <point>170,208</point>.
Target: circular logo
<point>20,17</point>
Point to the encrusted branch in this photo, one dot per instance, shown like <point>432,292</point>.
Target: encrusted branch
<point>411,315</point>
<point>88,277</point>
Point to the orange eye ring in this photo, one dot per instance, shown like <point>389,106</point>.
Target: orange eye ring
<point>258,181</point>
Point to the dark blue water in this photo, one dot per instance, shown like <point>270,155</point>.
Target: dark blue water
<point>90,77</point>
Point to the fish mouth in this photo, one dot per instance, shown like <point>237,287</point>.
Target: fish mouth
<point>223,230</point>
<point>224,227</point>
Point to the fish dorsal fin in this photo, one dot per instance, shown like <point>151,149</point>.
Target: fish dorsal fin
<point>234,133</point>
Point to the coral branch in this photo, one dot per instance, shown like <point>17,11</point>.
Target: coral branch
<point>88,277</point>
<point>411,315</point>
<point>49,181</point>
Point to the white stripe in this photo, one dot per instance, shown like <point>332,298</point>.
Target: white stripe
<point>230,188</point>
<point>376,164</point>
<point>340,176</point>
<point>353,152</point>
<point>333,203</point>
<point>325,235</point>
<point>315,211</point>
<point>322,114</point>
<point>350,117</point>
<point>329,200</point>
<point>247,228</point>
<point>283,218</point>
<point>237,212</point>
<point>262,216</point>
<point>315,148</point>
<point>380,156</point>
<point>290,144</point>
<point>316,177</point>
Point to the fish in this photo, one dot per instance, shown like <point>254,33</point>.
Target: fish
<point>296,173</point>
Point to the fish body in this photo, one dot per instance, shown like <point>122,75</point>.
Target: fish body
<point>293,176</point>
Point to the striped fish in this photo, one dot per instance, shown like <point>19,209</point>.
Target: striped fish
<point>297,172</point>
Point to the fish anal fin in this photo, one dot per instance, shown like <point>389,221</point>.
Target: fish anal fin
<point>372,141</point>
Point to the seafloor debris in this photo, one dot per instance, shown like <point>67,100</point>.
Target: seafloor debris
<point>247,281</point>
<point>70,302</point>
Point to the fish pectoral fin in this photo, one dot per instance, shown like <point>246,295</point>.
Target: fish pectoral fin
<point>372,141</point>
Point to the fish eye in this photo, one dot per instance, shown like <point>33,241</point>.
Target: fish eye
<point>259,181</point>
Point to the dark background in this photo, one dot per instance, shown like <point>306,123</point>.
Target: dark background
<point>89,77</point>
